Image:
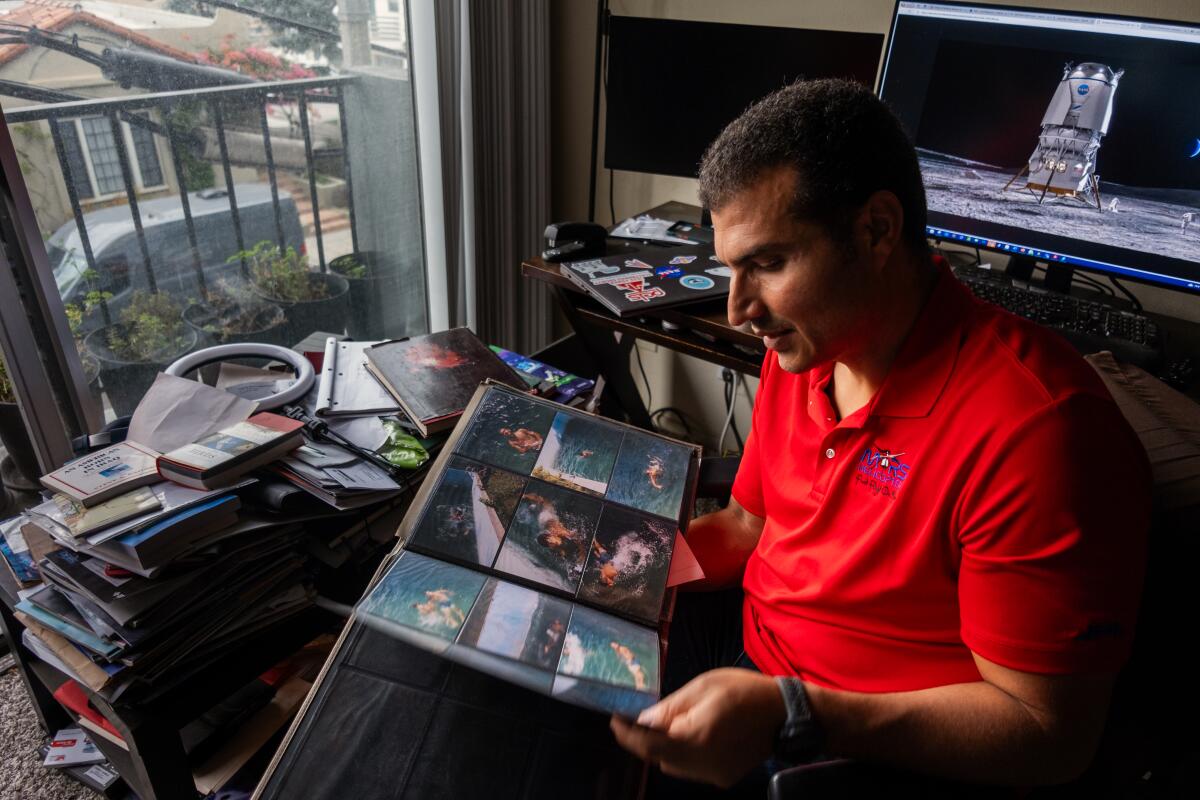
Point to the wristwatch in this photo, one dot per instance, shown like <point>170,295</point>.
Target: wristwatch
<point>799,739</point>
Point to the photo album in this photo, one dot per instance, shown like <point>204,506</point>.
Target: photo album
<point>539,548</point>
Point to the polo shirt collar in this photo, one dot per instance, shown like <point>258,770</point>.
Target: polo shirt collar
<point>925,360</point>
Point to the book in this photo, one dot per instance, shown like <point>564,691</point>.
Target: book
<point>81,520</point>
<point>434,376</point>
<point>562,387</point>
<point>16,552</point>
<point>347,388</point>
<point>94,478</point>
<point>102,776</point>
<point>539,548</point>
<point>158,544</point>
<point>221,458</point>
<point>632,283</point>
<point>71,747</point>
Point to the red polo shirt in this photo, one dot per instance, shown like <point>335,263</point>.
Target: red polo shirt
<point>989,498</point>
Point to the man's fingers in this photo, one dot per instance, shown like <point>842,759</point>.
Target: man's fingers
<point>661,714</point>
<point>645,743</point>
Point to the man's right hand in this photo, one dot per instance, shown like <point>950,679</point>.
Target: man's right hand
<point>722,542</point>
<point>715,729</point>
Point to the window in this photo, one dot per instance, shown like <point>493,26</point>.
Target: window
<point>95,163</point>
<point>289,201</point>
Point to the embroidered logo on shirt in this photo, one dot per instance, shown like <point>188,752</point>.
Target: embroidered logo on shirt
<point>882,471</point>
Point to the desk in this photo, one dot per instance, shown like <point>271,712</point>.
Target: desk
<point>699,329</point>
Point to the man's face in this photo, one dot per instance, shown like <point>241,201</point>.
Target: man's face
<point>796,287</point>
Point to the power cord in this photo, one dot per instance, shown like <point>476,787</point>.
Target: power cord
<point>1137,304</point>
<point>737,379</point>
<point>649,397</point>
<point>730,380</point>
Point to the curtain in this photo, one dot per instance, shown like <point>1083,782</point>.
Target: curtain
<point>494,96</point>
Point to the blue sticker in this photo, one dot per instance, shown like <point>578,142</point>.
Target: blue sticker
<point>697,282</point>
<point>668,272</point>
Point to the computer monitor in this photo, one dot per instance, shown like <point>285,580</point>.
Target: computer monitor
<point>1070,138</point>
<point>673,85</point>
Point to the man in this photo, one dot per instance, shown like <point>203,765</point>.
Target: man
<point>939,519</point>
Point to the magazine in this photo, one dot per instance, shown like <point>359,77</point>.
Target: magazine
<point>539,548</point>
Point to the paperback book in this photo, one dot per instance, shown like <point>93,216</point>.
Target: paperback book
<point>539,548</point>
<point>434,376</point>
<point>220,458</point>
<point>106,473</point>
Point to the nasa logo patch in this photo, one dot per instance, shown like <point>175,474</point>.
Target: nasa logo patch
<point>668,272</point>
<point>1083,88</point>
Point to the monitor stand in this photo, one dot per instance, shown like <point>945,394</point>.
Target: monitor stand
<point>1058,276</point>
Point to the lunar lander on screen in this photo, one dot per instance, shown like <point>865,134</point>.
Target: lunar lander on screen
<point>1064,161</point>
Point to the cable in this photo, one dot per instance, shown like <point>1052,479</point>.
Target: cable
<point>725,427</point>
<point>612,209</point>
<point>1090,281</point>
<point>645,380</point>
<point>730,379</point>
<point>1137,304</point>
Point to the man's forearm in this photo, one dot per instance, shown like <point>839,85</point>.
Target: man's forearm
<point>721,543</point>
<point>971,731</point>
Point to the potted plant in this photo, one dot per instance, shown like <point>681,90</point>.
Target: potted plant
<point>76,314</point>
<point>13,435</point>
<point>312,301</point>
<point>150,335</point>
<point>374,289</point>
<point>232,314</point>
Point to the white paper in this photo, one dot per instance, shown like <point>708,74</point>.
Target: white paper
<point>647,227</point>
<point>323,454</point>
<point>347,386</point>
<point>177,411</point>
<point>365,432</point>
<point>362,475</point>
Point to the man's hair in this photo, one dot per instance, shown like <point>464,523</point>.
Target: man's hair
<point>841,140</point>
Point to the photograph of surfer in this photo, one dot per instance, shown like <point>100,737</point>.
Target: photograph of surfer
<point>468,512</point>
<point>579,452</point>
<point>518,623</point>
<point>508,430</point>
<point>610,650</point>
<point>628,564</point>
<point>550,536</point>
<point>650,475</point>
<point>428,595</point>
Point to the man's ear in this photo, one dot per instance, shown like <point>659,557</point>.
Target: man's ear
<point>885,223</point>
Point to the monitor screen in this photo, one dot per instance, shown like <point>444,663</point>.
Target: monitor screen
<point>1072,138</point>
<point>672,85</point>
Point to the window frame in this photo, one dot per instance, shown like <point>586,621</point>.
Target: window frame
<point>135,162</point>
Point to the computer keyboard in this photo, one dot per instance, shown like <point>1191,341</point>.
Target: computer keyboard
<point>1088,324</point>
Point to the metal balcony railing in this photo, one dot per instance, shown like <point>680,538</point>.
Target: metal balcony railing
<point>218,102</point>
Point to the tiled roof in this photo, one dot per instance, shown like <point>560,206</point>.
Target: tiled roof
<point>55,15</point>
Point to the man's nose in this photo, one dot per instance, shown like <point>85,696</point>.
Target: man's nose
<point>744,304</point>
